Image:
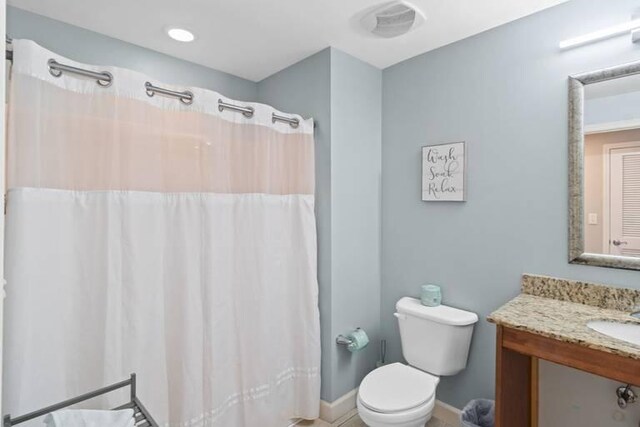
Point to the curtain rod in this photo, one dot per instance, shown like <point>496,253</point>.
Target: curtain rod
<point>105,79</point>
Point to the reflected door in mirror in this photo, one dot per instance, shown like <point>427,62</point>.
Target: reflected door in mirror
<point>624,200</point>
<point>611,136</point>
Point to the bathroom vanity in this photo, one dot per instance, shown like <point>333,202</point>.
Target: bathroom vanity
<point>556,320</point>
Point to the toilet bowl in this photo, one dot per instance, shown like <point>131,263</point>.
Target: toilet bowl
<point>435,342</point>
<point>397,395</point>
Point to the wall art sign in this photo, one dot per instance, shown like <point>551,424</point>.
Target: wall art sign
<point>443,172</point>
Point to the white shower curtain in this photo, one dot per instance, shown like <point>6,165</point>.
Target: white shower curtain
<point>175,241</point>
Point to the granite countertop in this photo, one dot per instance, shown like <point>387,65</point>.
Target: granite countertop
<point>562,309</point>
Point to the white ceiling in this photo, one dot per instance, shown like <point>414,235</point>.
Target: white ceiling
<point>256,38</point>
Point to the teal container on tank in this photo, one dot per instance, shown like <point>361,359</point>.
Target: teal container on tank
<point>431,295</point>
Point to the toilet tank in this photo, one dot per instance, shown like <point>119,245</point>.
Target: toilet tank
<point>435,339</point>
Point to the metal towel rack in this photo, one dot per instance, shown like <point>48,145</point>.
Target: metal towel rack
<point>140,413</point>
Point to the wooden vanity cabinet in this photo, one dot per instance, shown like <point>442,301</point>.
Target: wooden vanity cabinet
<point>517,354</point>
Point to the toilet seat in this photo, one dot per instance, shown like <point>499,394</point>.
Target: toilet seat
<point>416,417</point>
<point>397,388</point>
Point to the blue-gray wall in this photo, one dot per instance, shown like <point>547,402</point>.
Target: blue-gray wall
<point>343,94</point>
<point>355,214</point>
<point>93,48</point>
<point>505,93</point>
<point>613,108</point>
<point>305,88</point>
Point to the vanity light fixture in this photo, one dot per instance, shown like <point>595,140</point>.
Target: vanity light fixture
<point>181,35</point>
<point>605,33</point>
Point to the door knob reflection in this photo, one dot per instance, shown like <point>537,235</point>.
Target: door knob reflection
<point>619,242</point>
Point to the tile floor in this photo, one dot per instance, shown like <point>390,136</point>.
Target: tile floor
<point>353,420</point>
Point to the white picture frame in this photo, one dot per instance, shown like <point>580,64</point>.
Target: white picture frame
<point>444,169</point>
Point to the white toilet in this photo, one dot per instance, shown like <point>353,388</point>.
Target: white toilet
<point>435,342</point>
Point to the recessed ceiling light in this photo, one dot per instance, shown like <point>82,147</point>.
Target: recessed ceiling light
<point>181,35</point>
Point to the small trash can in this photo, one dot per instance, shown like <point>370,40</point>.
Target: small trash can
<point>479,413</point>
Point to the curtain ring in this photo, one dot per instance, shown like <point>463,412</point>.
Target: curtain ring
<point>249,113</point>
<point>102,78</point>
<point>148,88</point>
<point>53,71</point>
<point>106,82</point>
<point>187,98</point>
<point>246,111</point>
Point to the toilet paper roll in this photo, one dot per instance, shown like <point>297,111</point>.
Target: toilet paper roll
<point>359,340</point>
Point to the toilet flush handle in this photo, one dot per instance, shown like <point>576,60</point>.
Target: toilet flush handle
<point>400,316</point>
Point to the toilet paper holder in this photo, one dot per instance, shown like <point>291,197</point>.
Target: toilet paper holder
<point>342,340</point>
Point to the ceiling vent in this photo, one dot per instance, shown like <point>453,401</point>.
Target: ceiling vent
<point>391,19</point>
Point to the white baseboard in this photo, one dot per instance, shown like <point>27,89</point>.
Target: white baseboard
<point>447,413</point>
<point>330,412</point>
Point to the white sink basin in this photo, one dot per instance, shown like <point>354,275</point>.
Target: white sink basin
<point>629,332</point>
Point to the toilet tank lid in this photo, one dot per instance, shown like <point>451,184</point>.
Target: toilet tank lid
<point>440,314</point>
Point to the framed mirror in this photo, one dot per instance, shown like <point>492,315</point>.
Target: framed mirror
<point>604,167</point>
